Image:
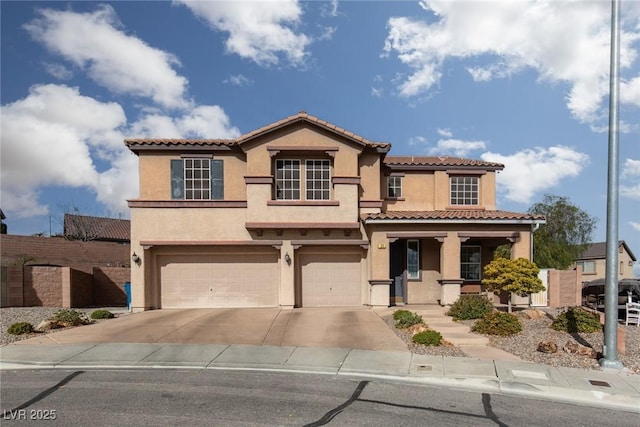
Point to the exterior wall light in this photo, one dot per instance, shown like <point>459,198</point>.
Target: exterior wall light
<point>287,258</point>
<point>136,259</point>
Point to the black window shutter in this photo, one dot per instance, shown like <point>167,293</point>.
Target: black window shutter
<point>177,179</point>
<point>217,179</point>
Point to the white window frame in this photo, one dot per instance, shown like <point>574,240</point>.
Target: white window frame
<point>413,265</point>
<point>318,185</point>
<point>477,263</point>
<point>197,178</point>
<point>394,187</point>
<point>282,192</point>
<point>464,190</point>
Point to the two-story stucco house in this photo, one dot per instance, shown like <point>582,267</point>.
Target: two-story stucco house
<point>303,213</point>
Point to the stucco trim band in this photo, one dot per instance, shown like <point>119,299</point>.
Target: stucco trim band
<point>150,243</point>
<point>187,203</point>
<point>302,225</point>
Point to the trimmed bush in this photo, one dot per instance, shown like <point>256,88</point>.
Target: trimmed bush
<point>427,338</point>
<point>69,317</point>
<point>102,314</point>
<point>470,307</point>
<point>576,319</point>
<point>498,323</point>
<point>405,318</point>
<point>20,328</point>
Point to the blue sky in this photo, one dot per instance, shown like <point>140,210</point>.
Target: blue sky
<point>524,83</point>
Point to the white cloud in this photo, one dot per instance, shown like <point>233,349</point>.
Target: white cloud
<point>536,170</point>
<point>445,132</point>
<point>377,92</point>
<point>417,140</point>
<point>456,147</point>
<point>205,121</point>
<point>47,139</point>
<point>122,63</point>
<point>58,71</point>
<point>631,168</point>
<point>635,225</point>
<point>564,41</point>
<point>54,134</point>
<point>238,80</point>
<point>263,32</point>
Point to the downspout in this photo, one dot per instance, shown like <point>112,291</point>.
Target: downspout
<point>534,228</point>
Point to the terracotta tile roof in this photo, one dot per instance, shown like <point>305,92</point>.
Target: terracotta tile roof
<point>452,215</point>
<point>137,143</point>
<point>169,143</point>
<point>441,161</point>
<point>82,227</point>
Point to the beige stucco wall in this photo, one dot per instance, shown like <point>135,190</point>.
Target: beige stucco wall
<point>155,175</point>
<point>625,266</point>
<point>418,188</point>
<point>369,165</point>
<point>426,290</point>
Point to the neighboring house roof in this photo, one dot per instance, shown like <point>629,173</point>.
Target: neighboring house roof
<point>82,227</point>
<point>2,215</point>
<point>137,144</point>
<point>452,216</point>
<point>437,162</point>
<point>599,251</point>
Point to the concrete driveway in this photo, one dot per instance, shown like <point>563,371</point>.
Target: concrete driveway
<point>359,328</point>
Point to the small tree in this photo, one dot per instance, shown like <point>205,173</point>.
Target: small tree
<point>518,276</point>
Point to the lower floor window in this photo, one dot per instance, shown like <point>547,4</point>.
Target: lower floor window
<point>413,259</point>
<point>470,262</point>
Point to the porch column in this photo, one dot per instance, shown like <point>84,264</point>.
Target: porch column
<point>379,281</point>
<point>287,275</point>
<point>450,267</point>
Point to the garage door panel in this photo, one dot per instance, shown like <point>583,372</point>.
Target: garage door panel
<point>331,280</point>
<point>225,280</point>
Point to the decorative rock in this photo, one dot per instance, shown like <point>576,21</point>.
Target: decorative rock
<point>46,325</point>
<point>573,347</point>
<point>548,347</point>
<point>533,314</point>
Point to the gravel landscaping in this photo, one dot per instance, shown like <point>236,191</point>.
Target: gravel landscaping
<point>525,344</point>
<point>35,315</point>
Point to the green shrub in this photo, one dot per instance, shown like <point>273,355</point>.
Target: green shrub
<point>69,317</point>
<point>20,328</point>
<point>102,314</point>
<point>576,319</point>
<point>427,338</point>
<point>470,307</point>
<point>405,318</point>
<point>498,323</point>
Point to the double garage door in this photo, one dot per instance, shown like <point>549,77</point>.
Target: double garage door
<point>323,279</point>
<point>225,280</point>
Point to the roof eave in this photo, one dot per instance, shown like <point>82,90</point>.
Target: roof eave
<point>454,221</point>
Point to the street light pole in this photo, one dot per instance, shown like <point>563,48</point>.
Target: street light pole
<point>610,359</point>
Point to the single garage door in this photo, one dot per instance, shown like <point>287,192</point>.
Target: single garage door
<point>331,280</point>
<point>229,280</point>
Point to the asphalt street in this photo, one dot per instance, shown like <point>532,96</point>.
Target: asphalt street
<point>219,397</point>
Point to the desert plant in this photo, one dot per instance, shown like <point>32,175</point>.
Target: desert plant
<point>428,337</point>
<point>470,307</point>
<point>518,276</point>
<point>405,318</point>
<point>498,323</point>
<point>20,328</point>
<point>576,319</point>
<point>69,317</point>
<point>102,314</point>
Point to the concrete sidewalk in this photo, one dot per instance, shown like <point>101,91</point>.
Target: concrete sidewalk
<point>607,389</point>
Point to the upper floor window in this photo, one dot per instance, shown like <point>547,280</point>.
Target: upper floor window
<point>290,185</point>
<point>394,187</point>
<point>588,267</point>
<point>470,262</point>
<point>464,190</point>
<point>197,179</point>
